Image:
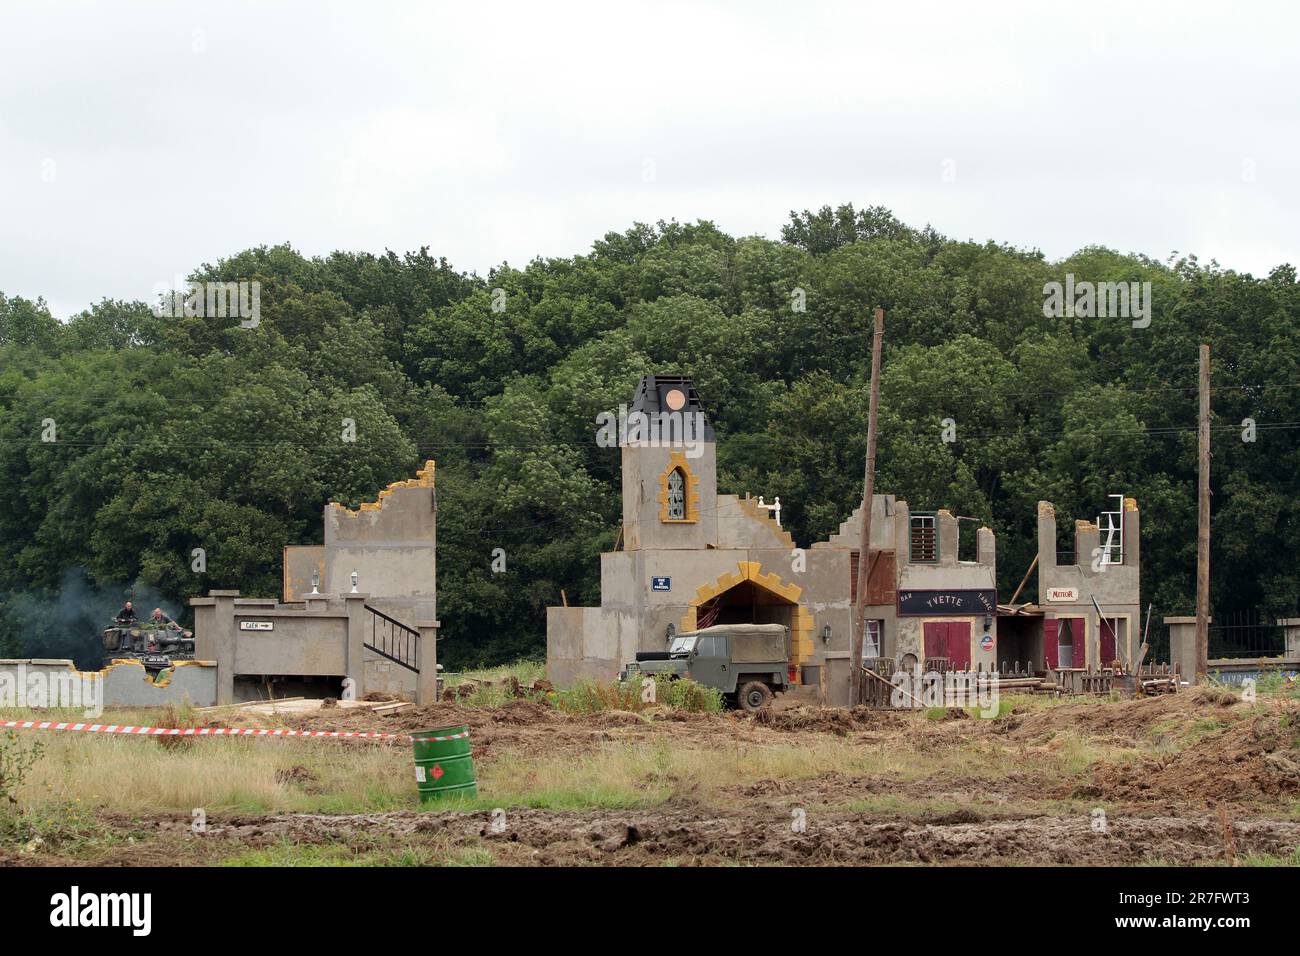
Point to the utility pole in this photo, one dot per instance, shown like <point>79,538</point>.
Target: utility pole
<point>1203,523</point>
<point>868,491</point>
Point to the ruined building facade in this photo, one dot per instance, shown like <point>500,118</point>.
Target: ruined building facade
<point>690,557</point>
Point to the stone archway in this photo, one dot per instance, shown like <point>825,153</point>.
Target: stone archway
<point>749,587</point>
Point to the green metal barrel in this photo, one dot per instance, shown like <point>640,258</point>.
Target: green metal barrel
<point>443,766</point>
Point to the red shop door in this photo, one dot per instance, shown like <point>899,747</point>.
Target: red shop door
<point>1106,636</point>
<point>936,639</point>
<point>1051,634</point>
<point>959,644</point>
<point>950,639</point>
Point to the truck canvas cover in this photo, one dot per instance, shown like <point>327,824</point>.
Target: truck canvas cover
<point>753,642</point>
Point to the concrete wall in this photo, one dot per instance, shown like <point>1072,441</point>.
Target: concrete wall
<point>743,524</point>
<point>884,509</point>
<point>949,573</point>
<point>300,560</point>
<point>1182,651</point>
<point>645,473</point>
<point>302,643</point>
<point>392,545</point>
<point>1116,587</point>
<point>56,683</point>
<point>324,636</point>
<point>890,532</point>
<point>589,643</point>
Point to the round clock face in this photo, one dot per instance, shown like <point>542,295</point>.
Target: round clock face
<point>675,399</point>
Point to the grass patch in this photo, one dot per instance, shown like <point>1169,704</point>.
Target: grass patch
<point>644,774</point>
<point>494,685</point>
<point>593,697</point>
<point>1269,859</point>
<point>176,775</point>
<point>1077,754</point>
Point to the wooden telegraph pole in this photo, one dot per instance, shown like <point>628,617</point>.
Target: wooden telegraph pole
<point>1203,523</point>
<point>864,550</point>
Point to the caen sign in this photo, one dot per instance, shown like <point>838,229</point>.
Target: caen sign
<point>927,603</point>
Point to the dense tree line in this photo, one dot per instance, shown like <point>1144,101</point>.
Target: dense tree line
<point>171,434</point>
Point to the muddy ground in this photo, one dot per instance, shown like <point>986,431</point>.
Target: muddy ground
<point>1153,782</point>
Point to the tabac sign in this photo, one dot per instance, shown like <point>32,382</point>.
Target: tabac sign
<point>927,603</point>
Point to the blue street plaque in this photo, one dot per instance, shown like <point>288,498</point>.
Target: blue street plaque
<point>661,584</point>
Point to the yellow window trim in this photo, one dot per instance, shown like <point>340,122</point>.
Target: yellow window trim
<point>675,462</point>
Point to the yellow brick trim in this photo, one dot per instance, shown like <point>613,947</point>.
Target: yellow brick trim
<point>423,479</point>
<point>802,623</point>
<point>675,461</point>
<point>750,507</point>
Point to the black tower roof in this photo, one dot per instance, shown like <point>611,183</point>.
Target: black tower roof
<point>652,398</point>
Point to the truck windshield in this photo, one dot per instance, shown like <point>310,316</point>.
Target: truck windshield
<point>681,645</point>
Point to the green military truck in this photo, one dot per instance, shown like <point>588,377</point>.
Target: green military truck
<point>747,662</point>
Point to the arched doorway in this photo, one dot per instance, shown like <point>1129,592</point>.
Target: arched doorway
<point>748,596</point>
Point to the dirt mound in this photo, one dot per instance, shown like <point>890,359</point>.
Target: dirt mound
<point>523,713</point>
<point>827,720</point>
<point>1251,757</point>
<point>518,713</point>
<point>618,718</point>
<point>1132,719</point>
<point>694,834</point>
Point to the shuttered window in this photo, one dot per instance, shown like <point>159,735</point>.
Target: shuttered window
<point>880,578</point>
<point>924,539</point>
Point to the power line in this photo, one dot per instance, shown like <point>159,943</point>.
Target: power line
<point>147,442</point>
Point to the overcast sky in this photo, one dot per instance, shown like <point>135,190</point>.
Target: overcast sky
<point>138,140</point>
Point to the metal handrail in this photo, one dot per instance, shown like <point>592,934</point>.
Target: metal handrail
<point>400,643</point>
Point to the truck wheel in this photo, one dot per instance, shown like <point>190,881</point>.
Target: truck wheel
<point>754,696</point>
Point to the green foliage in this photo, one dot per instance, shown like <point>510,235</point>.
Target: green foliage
<point>593,697</point>
<point>685,694</point>
<point>189,432</point>
<point>16,761</point>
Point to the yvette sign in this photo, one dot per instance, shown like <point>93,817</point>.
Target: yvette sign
<point>947,602</point>
<point>1063,595</point>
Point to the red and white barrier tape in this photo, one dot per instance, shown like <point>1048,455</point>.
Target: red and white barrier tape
<point>200,731</point>
<point>424,740</point>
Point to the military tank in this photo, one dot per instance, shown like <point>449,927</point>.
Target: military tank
<point>156,646</point>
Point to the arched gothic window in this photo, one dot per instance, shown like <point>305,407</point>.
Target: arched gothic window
<point>676,495</point>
